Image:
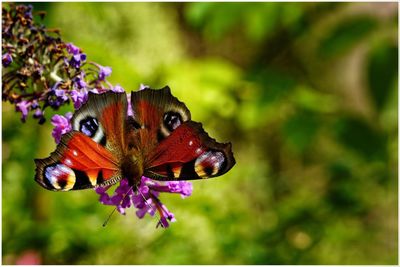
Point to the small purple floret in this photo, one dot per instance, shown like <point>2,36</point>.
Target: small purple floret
<point>55,86</point>
<point>166,216</point>
<point>79,81</point>
<point>34,104</point>
<point>62,125</point>
<point>61,95</point>
<point>6,60</point>
<point>38,113</point>
<point>77,60</point>
<point>23,107</point>
<point>79,97</point>
<point>104,72</point>
<point>72,49</point>
<point>82,57</point>
<point>28,12</point>
<point>118,89</point>
<point>182,187</point>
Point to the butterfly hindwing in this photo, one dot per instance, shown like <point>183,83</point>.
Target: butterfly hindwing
<point>77,163</point>
<point>189,153</point>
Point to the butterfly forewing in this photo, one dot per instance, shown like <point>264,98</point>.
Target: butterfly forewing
<point>103,118</point>
<point>158,112</point>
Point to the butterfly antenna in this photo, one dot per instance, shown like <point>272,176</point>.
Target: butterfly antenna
<point>109,216</point>
<point>149,205</point>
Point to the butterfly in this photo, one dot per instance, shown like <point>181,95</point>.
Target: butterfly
<point>158,140</point>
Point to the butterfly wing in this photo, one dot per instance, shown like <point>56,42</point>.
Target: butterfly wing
<point>77,163</point>
<point>156,113</point>
<point>160,136</point>
<point>189,153</point>
<point>103,118</point>
<point>90,155</point>
<point>173,146</point>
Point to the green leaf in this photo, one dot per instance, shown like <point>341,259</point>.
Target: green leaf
<point>313,100</point>
<point>382,72</point>
<point>261,21</point>
<point>275,84</point>
<point>299,131</point>
<point>345,35</point>
<point>195,13</point>
<point>342,192</point>
<point>361,138</point>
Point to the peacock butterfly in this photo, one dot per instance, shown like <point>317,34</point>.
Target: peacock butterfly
<point>159,141</point>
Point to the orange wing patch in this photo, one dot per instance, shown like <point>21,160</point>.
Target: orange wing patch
<point>78,163</point>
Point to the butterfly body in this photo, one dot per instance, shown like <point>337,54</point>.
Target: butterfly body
<point>159,140</point>
<point>132,169</point>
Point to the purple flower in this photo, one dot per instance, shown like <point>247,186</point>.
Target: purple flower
<point>55,86</point>
<point>77,60</point>
<point>6,59</point>
<point>36,55</point>
<point>28,12</point>
<point>182,187</point>
<point>23,106</point>
<point>79,97</point>
<point>72,49</point>
<point>38,113</point>
<point>79,81</point>
<point>145,197</point>
<point>61,95</point>
<point>121,198</point>
<point>34,104</point>
<point>166,216</point>
<point>62,125</point>
<point>118,89</point>
<point>57,96</point>
<point>104,72</point>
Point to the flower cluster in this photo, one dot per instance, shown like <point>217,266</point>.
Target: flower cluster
<point>40,71</point>
<point>145,197</point>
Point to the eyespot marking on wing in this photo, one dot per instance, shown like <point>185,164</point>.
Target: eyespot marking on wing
<point>60,177</point>
<point>209,163</point>
<point>89,126</point>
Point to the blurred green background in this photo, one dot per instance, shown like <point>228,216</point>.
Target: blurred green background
<point>306,92</point>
